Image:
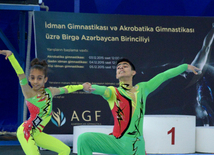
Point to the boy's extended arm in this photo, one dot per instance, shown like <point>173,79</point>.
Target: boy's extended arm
<point>103,91</point>
<point>156,81</point>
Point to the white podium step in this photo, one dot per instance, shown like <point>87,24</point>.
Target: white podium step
<point>163,134</point>
<point>168,134</point>
<point>205,139</point>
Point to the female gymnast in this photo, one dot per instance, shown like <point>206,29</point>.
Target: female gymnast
<point>39,103</point>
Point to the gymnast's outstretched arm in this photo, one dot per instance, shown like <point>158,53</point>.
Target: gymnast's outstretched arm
<point>26,89</point>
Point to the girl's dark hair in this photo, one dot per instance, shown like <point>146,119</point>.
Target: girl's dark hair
<point>40,65</point>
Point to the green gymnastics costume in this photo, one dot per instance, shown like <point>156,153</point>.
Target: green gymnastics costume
<point>30,133</point>
<point>127,137</point>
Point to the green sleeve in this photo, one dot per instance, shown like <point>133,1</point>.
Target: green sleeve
<point>72,88</point>
<point>103,91</point>
<point>15,64</point>
<point>155,82</point>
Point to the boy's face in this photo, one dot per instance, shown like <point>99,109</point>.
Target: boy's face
<point>124,69</point>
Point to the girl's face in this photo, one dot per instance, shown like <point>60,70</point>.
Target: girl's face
<point>37,79</point>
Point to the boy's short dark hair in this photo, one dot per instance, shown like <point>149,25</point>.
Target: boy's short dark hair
<point>126,60</point>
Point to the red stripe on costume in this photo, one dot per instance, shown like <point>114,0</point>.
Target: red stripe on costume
<point>39,129</point>
<point>122,115</point>
<point>42,126</point>
<point>34,110</point>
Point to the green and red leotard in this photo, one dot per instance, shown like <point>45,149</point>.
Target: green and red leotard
<point>128,113</point>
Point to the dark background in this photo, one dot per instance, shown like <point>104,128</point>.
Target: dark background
<point>9,22</point>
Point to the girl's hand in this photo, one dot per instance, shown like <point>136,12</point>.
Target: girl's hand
<point>7,53</point>
<point>87,87</point>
